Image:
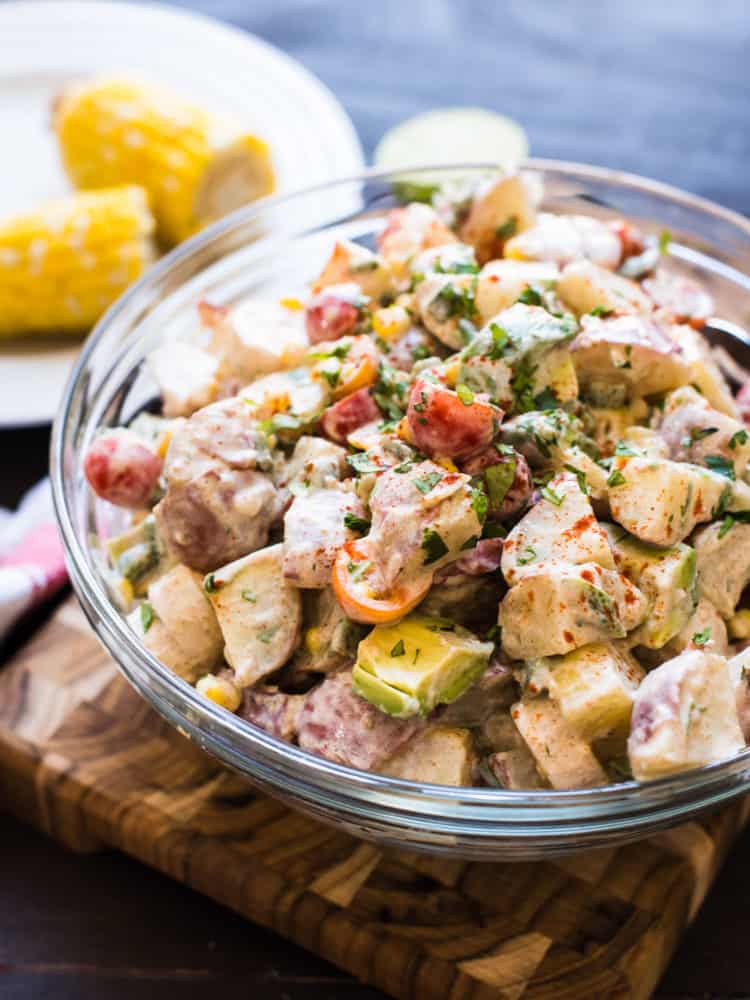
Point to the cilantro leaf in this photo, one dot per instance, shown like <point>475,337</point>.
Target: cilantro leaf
<point>527,555</point>
<point>530,297</point>
<point>665,238</point>
<point>433,546</point>
<point>362,463</point>
<point>249,596</point>
<point>616,478</point>
<point>738,438</point>
<point>583,486</point>
<point>508,228</point>
<point>428,481</point>
<point>552,496</point>
<point>354,523</point>
<point>717,463</point>
<point>702,637</point>
<point>465,394</point>
<point>148,616</point>
<point>398,649</point>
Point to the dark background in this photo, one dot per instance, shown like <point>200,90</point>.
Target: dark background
<point>659,88</point>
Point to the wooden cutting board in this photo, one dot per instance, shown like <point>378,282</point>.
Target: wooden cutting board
<point>84,758</point>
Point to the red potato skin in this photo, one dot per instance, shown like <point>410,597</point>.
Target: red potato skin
<point>442,425</point>
<point>328,317</point>
<point>743,402</point>
<point>349,413</point>
<point>629,236</point>
<point>120,468</point>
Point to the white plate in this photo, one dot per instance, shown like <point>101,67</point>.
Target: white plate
<point>47,43</point>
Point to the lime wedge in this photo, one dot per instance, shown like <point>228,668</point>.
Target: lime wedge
<point>446,136</point>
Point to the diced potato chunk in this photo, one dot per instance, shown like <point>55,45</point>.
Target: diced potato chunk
<point>499,209</point>
<point>665,576</point>
<point>181,604</point>
<point>586,287</point>
<point>561,527</point>
<point>439,755</point>
<point>696,432</point>
<point>188,377</point>
<point>705,629</point>
<point>660,501</point>
<point>561,755</point>
<point>350,262</point>
<point>739,678</point>
<point>259,613</point>
<point>705,374</point>
<point>260,337</point>
<point>630,351</point>
<point>314,530</point>
<point>723,559</point>
<point>684,716</point>
<point>502,281</point>
<point>444,302</point>
<point>515,768</point>
<point>560,607</point>
<point>566,238</point>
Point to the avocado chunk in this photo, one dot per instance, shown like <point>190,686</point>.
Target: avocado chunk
<point>668,579</point>
<point>518,355</point>
<point>562,527</point>
<point>560,607</point>
<point>259,613</point>
<point>138,554</point>
<point>594,687</point>
<point>542,436</point>
<point>410,668</point>
<point>439,755</point>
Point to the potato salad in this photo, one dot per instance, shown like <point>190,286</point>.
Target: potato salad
<point>473,509</point>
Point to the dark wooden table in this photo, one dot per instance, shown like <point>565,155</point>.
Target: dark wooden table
<point>658,88</point>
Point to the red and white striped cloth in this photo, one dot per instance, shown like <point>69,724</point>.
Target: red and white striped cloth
<point>32,567</point>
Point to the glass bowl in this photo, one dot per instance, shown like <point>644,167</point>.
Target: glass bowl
<point>272,248</point>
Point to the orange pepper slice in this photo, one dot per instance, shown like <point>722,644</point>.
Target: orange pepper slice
<point>354,595</point>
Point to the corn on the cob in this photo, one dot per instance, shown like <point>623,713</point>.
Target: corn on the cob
<point>194,166</point>
<point>62,265</point>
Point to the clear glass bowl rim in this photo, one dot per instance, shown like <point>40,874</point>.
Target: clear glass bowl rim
<point>465,810</point>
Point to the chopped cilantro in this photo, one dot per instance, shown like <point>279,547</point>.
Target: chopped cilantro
<point>500,341</point>
<point>499,479</point>
<point>331,375</point>
<point>268,633</point>
<point>340,351</point>
<point>361,463</point>
<point>433,546</point>
<point>726,525</point>
<point>470,543</point>
<point>623,448</point>
<point>479,503</point>
<point>688,500</point>
<point>665,238</point>
<point>210,585</point>
<point>398,649</point>
<point>354,523</point>
<point>527,555</point>
<point>420,352</point>
<point>281,422</point>
<point>403,467</point>
<point>530,297</point>
<point>428,481</point>
<point>465,394</point>
<point>583,486</point>
<point>616,478</point>
<point>492,633</point>
<point>702,637</point>
<point>546,400</point>
<point>508,228</point>
<point>697,434</point>
<point>358,570</point>
<point>451,301</point>
<point>738,438</point>
<point>717,463</point>
<point>522,383</point>
<point>248,595</point>
<point>551,496</point>
<point>417,651</point>
<point>601,311</point>
<point>147,616</point>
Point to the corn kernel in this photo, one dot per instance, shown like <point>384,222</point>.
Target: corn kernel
<point>738,625</point>
<point>451,372</point>
<point>313,640</point>
<point>391,322</point>
<point>446,464</point>
<point>404,431</point>
<point>221,691</point>
<point>294,304</point>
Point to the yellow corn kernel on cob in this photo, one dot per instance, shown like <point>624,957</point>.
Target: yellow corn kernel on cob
<point>195,166</point>
<point>62,265</point>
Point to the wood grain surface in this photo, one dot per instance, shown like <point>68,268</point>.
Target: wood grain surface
<point>85,760</point>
